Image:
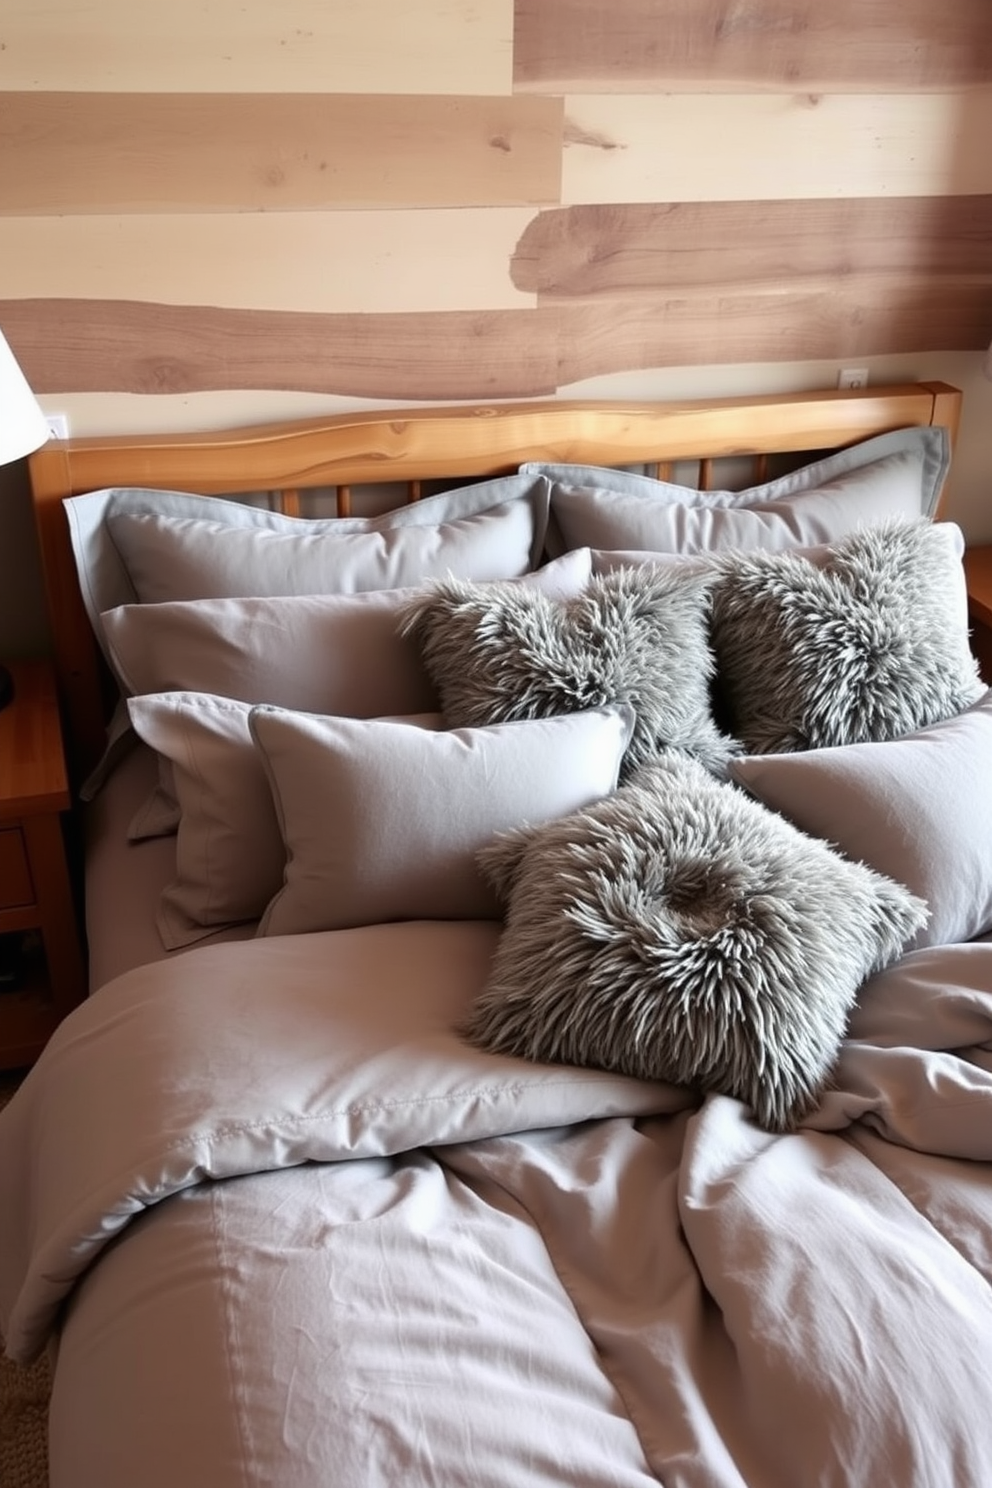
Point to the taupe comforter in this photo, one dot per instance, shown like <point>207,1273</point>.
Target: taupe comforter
<point>292,1233</point>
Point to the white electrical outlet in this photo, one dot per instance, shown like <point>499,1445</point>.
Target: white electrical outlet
<point>58,425</point>
<point>852,377</point>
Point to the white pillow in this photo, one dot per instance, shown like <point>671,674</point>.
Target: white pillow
<point>382,821</point>
<point>917,809</point>
<point>899,474</point>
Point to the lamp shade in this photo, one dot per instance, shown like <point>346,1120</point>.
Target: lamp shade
<point>22,424</point>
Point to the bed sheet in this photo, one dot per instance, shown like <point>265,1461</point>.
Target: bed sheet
<point>293,1230</point>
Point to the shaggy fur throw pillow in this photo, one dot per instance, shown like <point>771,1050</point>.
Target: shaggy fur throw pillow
<point>501,652</point>
<point>678,930</point>
<point>867,643</point>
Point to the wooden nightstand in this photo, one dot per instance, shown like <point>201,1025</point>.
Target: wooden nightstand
<point>35,887</point>
<point>978,570</point>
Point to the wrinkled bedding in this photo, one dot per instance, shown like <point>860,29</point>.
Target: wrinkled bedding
<point>290,1230</point>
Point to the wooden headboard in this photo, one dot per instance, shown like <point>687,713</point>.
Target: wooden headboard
<point>413,445</point>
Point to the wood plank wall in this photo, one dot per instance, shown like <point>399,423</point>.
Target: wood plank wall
<point>431,199</point>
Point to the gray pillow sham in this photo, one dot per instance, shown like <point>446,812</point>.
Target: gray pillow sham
<point>897,474</point>
<point>147,546</point>
<point>918,808</point>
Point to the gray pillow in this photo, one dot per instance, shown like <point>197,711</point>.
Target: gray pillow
<point>898,474</point>
<point>679,931</point>
<point>229,849</point>
<point>153,547</point>
<point>319,653</point>
<point>917,808</point>
<point>148,546</point>
<point>639,636</point>
<point>382,821</point>
<point>867,642</point>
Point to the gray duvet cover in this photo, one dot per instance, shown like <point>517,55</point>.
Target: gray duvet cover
<point>290,1231</point>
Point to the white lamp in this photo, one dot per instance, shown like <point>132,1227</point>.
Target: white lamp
<point>22,424</point>
<point>22,429</point>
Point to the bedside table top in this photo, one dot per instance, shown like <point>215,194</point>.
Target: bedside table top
<point>978,573</point>
<point>32,764</point>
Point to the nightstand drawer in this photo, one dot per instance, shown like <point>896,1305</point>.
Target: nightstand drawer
<point>16,887</point>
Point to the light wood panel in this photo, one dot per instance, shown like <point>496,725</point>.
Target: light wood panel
<point>251,46</point>
<point>847,45</point>
<point>361,262</point>
<point>740,147</point>
<point>183,152</point>
<point>351,201</point>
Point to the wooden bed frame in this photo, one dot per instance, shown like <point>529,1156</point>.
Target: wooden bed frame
<point>413,445</point>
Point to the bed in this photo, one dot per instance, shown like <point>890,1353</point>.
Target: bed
<point>540,933</point>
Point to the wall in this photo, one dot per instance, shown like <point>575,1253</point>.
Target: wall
<point>222,209</point>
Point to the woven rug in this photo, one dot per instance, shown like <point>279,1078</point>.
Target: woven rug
<point>24,1396</point>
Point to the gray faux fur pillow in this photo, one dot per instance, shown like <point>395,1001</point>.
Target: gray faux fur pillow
<point>501,652</point>
<point>867,643</point>
<point>677,930</point>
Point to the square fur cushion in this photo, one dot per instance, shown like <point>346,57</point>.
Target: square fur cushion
<point>918,809</point>
<point>382,821</point>
<point>639,636</point>
<point>679,931</point>
<point>866,639</point>
<point>898,474</point>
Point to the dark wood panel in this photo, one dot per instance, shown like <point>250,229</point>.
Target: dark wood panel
<point>68,346</point>
<point>855,319</point>
<point>176,152</point>
<point>71,346</point>
<point>884,46</point>
<point>574,252</point>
